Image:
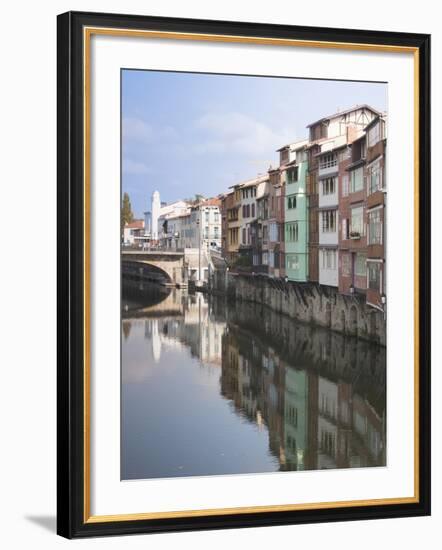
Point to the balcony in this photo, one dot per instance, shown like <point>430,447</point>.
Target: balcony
<point>328,168</point>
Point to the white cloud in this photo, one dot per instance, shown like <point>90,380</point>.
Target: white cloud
<point>134,167</point>
<point>168,132</point>
<point>227,132</point>
<point>136,129</point>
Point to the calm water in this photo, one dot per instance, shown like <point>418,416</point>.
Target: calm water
<point>214,388</point>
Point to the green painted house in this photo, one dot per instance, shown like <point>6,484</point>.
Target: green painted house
<point>296,418</point>
<point>296,215</point>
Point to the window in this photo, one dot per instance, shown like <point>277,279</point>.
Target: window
<point>216,231</point>
<point>375,177</point>
<point>328,186</point>
<point>292,174</point>
<point>265,231</point>
<point>253,210</point>
<point>292,261</point>
<point>344,229</point>
<point>328,221</point>
<point>374,134</point>
<point>273,232</point>
<point>232,214</point>
<point>318,131</point>
<point>244,236</point>
<point>329,259</point>
<point>301,156</point>
<point>374,275</point>
<point>265,258</point>
<point>207,216</point>
<point>356,180</point>
<point>328,161</point>
<point>374,227</point>
<point>216,217</point>
<point>283,156</point>
<point>345,264</point>
<point>292,232</point>
<point>345,185</point>
<point>291,202</point>
<point>360,261</point>
<point>292,416</point>
<point>357,222</point>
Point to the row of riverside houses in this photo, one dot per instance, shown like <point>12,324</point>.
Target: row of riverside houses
<point>319,216</point>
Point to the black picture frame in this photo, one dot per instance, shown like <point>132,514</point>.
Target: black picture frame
<point>71,268</point>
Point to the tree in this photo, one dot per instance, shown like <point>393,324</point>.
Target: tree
<point>197,198</point>
<point>127,215</point>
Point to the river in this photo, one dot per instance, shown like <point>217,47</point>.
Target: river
<point>211,387</point>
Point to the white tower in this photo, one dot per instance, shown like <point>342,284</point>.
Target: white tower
<point>155,209</point>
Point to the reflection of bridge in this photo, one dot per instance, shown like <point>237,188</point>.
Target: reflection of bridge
<point>172,266</point>
<point>169,305</point>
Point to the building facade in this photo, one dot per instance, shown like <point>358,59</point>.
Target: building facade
<point>328,215</point>
<point>242,215</point>
<point>133,233</point>
<point>376,212</point>
<point>296,215</point>
<point>276,229</point>
<point>234,219</point>
<point>353,218</point>
<point>326,136</point>
<point>184,225</point>
<point>227,202</point>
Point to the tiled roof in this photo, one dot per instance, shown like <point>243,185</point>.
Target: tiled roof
<point>136,224</point>
<point>340,113</point>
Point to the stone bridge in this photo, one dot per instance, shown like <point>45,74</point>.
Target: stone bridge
<point>166,267</point>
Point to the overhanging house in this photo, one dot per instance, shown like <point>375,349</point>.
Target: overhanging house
<point>296,215</point>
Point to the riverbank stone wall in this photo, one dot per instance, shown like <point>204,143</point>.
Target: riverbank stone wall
<point>307,303</point>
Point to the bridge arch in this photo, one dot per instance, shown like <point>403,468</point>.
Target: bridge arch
<point>147,271</point>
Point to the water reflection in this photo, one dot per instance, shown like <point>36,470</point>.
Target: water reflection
<point>214,388</point>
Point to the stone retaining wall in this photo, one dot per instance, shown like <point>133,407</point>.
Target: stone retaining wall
<point>306,302</point>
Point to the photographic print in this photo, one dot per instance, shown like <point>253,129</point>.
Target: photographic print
<point>253,274</point>
<point>243,321</point>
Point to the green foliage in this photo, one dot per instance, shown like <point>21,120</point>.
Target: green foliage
<point>127,215</point>
<point>195,200</point>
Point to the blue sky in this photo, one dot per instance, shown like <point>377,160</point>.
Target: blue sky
<point>187,133</point>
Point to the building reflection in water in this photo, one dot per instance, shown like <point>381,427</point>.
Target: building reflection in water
<point>319,397</point>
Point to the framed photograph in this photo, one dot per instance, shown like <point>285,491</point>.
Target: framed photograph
<point>243,274</point>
